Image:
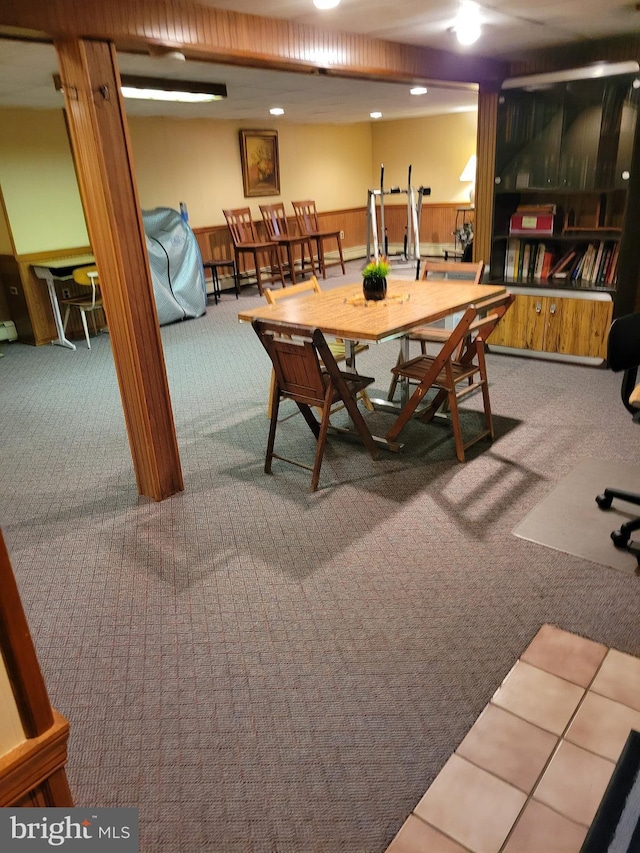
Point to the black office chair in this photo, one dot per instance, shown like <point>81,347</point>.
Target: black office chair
<point>623,353</point>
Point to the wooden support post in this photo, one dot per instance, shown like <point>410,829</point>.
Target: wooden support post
<point>104,165</point>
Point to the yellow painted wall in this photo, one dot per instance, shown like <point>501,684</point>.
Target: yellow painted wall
<point>198,162</point>
<point>39,182</point>
<point>436,147</point>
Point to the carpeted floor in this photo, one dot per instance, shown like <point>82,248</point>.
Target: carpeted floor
<point>259,669</point>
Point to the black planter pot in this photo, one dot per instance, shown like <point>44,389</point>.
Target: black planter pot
<point>374,287</point>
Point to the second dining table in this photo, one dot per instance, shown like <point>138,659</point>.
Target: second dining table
<point>343,312</point>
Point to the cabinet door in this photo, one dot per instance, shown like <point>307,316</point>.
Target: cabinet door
<point>522,326</point>
<point>577,326</point>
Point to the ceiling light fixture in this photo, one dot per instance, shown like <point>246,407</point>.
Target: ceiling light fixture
<point>375,115</point>
<point>326,4</point>
<point>276,111</point>
<point>587,72</point>
<point>418,90</point>
<point>163,89</point>
<point>467,23</point>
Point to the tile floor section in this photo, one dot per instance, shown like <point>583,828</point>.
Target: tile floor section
<point>530,774</point>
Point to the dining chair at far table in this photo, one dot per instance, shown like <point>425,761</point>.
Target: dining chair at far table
<point>277,228</point>
<point>337,346</point>
<point>309,225</point>
<point>456,271</point>
<point>460,362</point>
<point>306,372</point>
<point>89,303</point>
<point>246,242</point>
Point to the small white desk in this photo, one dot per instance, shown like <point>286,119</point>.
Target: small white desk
<point>60,269</point>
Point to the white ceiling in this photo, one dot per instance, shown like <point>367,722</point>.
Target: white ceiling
<point>509,26</point>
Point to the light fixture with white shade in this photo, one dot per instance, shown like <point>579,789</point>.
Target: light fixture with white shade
<point>164,89</point>
<point>467,25</point>
<point>326,4</point>
<point>468,176</point>
<point>418,90</point>
<point>375,115</point>
<point>276,111</point>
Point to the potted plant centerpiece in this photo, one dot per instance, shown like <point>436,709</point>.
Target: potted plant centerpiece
<point>374,279</point>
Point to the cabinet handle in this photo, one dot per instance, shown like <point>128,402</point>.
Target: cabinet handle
<point>538,307</point>
<point>552,308</point>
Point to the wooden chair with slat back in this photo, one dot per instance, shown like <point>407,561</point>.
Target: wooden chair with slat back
<point>337,347</point>
<point>246,242</point>
<point>306,372</point>
<point>456,271</point>
<point>277,227</point>
<point>308,224</point>
<point>460,360</point>
<point>86,277</point>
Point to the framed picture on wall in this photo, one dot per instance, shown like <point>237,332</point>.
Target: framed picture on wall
<point>260,164</point>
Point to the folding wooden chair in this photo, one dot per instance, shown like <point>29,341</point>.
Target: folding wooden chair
<point>306,372</point>
<point>308,224</point>
<point>455,270</point>
<point>277,228</point>
<point>246,242</point>
<point>460,360</point>
<point>337,346</point>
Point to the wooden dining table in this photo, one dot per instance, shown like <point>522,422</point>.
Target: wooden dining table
<point>343,313</point>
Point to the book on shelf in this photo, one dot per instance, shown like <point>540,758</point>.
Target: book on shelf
<point>547,263</point>
<point>564,267</point>
<point>510,259</point>
<point>537,270</point>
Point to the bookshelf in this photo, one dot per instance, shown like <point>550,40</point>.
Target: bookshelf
<point>566,207</point>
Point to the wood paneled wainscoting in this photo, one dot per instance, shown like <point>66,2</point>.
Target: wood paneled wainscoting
<point>437,224</point>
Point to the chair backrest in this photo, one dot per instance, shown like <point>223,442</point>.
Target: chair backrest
<point>623,353</point>
<point>476,324</point>
<point>454,270</point>
<point>311,286</point>
<point>241,225</point>
<point>297,355</point>
<point>306,216</point>
<point>275,220</point>
<point>88,277</point>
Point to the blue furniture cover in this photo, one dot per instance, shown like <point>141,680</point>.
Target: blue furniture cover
<point>176,265</point>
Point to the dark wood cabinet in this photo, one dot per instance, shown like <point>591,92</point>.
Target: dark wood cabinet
<point>566,199</point>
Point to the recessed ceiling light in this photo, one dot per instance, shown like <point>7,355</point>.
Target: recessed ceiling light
<point>185,91</point>
<point>418,90</point>
<point>375,115</point>
<point>325,4</point>
<point>276,111</point>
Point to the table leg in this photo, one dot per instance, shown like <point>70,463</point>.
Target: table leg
<point>62,340</point>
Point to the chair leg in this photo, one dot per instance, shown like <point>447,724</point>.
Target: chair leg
<point>83,314</point>
<point>455,424</point>
<point>256,261</point>
<point>272,391</point>
<point>341,254</point>
<point>322,440</point>
<point>275,405</point>
<point>321,263</point>
<point>66,318</point>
